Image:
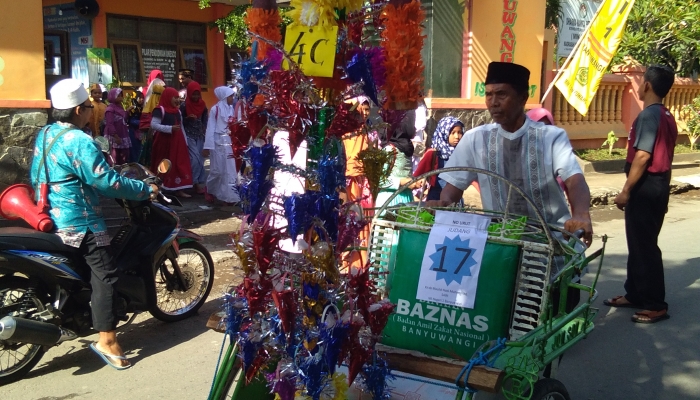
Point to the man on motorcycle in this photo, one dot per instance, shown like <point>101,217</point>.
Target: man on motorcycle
<point>71,163</point>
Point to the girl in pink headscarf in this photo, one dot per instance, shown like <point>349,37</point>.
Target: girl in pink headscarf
<point>117,127</point>
<point>544,116</point>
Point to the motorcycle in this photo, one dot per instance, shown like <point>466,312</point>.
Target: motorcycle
<point>45,287</point>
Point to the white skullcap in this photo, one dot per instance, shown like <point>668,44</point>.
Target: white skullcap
<point>67,94</point>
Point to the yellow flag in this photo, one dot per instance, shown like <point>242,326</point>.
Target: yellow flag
<point>580,80</point>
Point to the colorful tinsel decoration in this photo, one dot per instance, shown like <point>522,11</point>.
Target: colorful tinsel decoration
<point>264,23</point>
<point>402,40</point>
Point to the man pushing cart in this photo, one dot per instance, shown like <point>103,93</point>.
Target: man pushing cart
<point>495,288</point>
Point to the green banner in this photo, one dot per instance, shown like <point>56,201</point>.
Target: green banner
<point>448,331</point>
<point>100,65</point>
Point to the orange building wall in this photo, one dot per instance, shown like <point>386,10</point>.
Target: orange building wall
<point>22,55</point>
<point>180,10</point>
<point>497,36</point>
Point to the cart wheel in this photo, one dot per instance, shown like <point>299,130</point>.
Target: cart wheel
<point>549,389</point>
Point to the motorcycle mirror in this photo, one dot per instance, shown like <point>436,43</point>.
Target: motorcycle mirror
<point>103,144</point>
<point>164,166</point>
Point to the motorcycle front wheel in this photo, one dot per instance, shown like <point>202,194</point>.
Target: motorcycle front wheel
<point>17,359</point>
<point>172,302</point>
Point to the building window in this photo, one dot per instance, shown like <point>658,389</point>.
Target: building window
<point>56,53</point>
<point>140,45</point>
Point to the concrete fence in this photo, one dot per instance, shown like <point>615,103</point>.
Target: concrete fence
<point>615,107</point>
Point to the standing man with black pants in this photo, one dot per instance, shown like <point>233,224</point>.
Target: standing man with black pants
<point>644,198</point>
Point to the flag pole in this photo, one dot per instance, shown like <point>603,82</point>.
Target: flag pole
<point>571,54</point>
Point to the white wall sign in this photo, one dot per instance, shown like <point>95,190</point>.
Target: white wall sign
<point>576,15</point>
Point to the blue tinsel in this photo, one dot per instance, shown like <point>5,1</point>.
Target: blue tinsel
<point>332,339</point>
<point>235,309</point>
<point>359,69</point>
<point>252,68</point>
<point>376,377</point>
<point>253,195</point>
<point>249,348</point>
<point>331,173</point>
<point>299,211</point>
<point>327,211</point>
<point>313,376</point>
<point>261,159</point>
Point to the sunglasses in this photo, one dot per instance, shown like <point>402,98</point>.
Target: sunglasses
<point>87,106</point>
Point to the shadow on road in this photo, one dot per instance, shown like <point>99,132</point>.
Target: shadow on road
<point>140,341</point>
<point>625,360</point>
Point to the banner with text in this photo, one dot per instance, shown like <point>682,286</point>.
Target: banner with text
<point>575,17</point>
<point>442,330</point>
<point>580,78</point>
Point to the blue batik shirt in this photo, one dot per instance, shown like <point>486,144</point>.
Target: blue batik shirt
<point>78,174</point>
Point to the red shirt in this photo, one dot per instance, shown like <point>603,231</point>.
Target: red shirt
<point>655,132</point>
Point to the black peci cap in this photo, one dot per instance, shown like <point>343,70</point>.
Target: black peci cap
<point>514,74</point>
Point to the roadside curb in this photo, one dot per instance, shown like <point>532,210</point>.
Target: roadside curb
<point>606,196</point>
<point>685,160</point>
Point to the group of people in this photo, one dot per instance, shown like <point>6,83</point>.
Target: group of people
<point>164,123</point>
<point>528,152</point>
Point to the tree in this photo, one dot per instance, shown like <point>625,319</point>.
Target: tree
<point>663,32</point>
<point>692,117</point>
<point>553,11</point>
<point>234,27</point>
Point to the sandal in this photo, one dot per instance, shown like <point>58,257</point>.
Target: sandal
<point>182,194</point>
<point>650,317</point>
<point>615,302</point>
<point>110,359</point>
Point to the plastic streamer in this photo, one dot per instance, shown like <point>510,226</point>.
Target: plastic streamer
<point>317,135</point>
<point>376,377</point>
<point>350,224</point>
<point>402,40</point>
<point>252,70</point>
<point>327,211</point>
<point>359,70</point>
<point>265,23</point>
<point>319,13</point>
<point>346,120</point>
<point>376,165</point>
<point>298,209</point>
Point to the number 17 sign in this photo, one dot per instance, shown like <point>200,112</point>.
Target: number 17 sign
<point>450,270</point>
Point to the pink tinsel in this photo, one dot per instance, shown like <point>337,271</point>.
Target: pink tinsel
<point>375,55</point>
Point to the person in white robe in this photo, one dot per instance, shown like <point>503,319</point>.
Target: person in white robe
<point>223,177</point>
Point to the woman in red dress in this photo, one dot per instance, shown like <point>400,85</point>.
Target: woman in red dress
<point>170,142</point>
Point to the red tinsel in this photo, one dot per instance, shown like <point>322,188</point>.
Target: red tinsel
<point>260,360</point>
<point>360,288</point>
<point>346,120</point>
<point>257,294</point>
<point>358,358</point>
<point>350,225</point>
<point>286,304</point>
<point>379,315</point>
<point>265,241</point>
<point>289,107</point>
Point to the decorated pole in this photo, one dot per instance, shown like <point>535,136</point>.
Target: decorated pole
<point>264,20</point>
<point>402,41</point>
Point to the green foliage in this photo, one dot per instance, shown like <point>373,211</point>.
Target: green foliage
<point>553,12</point>
<point>692,118</point>
<point>610,142</point>
<point>663,32</point>
<point>234,27</point>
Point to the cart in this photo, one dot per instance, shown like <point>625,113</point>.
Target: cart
<point>522,294</point>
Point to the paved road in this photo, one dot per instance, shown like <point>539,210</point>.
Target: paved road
<point>620,360</point>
